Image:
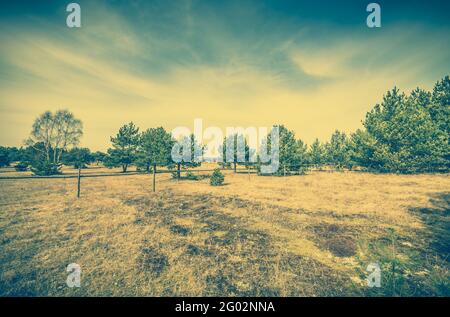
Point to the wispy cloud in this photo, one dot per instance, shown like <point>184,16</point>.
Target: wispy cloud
<point>167,67</point>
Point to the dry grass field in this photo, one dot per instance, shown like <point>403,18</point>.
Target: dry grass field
<point>310,235</point>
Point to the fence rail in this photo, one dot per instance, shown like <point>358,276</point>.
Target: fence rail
<point>241,170</point>
<point>75,175</point>
<point>183,170</point>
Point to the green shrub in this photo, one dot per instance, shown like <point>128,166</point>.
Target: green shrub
<point>302,170</point>
<point>191,176</point>
<point>21,166</point>
<point>5,158</point>
<point>43,168</point>
<point>217,178</point>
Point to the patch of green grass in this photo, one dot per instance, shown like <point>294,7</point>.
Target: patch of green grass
<point>406,271</point>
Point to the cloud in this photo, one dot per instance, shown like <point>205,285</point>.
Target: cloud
<point>115,70</point>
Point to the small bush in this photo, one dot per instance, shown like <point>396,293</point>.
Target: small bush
<point>21,166</point>
<point>217,178</point>
<point>302,170</point>
<point>191,176</point>
<point>79,165</point>
<point>43,168</point>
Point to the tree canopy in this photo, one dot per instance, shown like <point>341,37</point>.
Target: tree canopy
<point>124,147</point>
<point>155,148</point>
<point>51,135</point>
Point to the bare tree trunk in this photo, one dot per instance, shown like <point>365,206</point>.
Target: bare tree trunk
<point>48,153</point>
<point>178,170</point>
<point>55,151</point>
<point>234,167</point>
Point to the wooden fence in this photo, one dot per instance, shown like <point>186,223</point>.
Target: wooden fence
<point>79,174</point>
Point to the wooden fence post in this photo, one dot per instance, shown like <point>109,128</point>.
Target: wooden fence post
<point>79,181</point>
<point>154,177</point>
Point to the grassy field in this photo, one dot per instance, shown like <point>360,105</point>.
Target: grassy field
<point>310,235</point>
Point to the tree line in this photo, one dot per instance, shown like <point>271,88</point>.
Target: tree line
<point>402,134</point>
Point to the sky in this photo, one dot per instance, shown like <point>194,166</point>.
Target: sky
<point>313,66</point>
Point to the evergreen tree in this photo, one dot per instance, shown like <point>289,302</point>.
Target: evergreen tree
<point>217,178</point>
<point>362,147</point>
<point>302,157</point>
<point>238,140</point>
<point>15,154</point>
<point>155,148</point>
<point>78,157</point>
<point>4,157</point>
<point>124,149</point>
<point>98,156</point>
<point>195,158</point>
<point>292,153</point>
<point>317,153</point>
<point>408,140</point>
<point>440,105</point>
<point>337,150</point>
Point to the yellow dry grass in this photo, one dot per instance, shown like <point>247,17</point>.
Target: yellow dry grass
<point>255,236</point>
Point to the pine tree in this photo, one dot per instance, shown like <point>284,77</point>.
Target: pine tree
<point>317,154</point>
<point>4,157</point>
<point>124,149</point>
<point>217,178</point>
<point>78,157</point>
<point>195,157</point>
<point>440,105</point>
<point>292,153</point>
<point>337,150</point>
<point>237,139</point>
<point>408,140</point>
<point>362,147</point>
<point>155,148</point>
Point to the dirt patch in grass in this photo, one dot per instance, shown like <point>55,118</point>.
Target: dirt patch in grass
<point>140,202</point>
<point>153,261</point>
<point>437,220</point>
<point>180,230</point>
<point>284,274</point>
<point>342,247</point>
<point>196,250</point>
<point>230,257</point>
<point>336,238</point>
